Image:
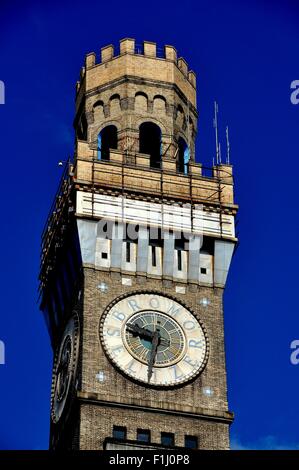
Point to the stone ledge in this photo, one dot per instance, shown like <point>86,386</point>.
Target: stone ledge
<point>162,407</point>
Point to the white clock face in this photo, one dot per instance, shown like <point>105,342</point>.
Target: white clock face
<point>154,339</point>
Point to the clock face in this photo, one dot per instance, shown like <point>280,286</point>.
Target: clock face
<point>64,368</point>
<point>154,339</point>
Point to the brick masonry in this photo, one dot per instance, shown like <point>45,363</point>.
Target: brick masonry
<point>97,419</point>
<point>96,423</point>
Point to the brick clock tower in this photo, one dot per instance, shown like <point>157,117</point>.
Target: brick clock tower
<point>135,256</point>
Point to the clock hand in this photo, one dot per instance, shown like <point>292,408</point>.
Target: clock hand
<point>135,328</point>
<point>155,343</point>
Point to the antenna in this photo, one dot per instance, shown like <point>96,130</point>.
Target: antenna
<point>227,146</point>
<point>219,152</point>
<point>215,122</point>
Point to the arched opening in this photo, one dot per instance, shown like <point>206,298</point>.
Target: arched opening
<point>180,116</point>
<point>150,142</point>
<point>191,129</point>
<point>115,105</point>
<point>159,104</point>
<point>183,157</point>
<point>82,128</point>
<point>141,102</point>
<point>98,111</point>
<point>107,139</point>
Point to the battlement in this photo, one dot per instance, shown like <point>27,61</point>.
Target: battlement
<point>146,61</point>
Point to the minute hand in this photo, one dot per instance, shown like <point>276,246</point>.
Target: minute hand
<point>135,328</point>
<point>152,357</point>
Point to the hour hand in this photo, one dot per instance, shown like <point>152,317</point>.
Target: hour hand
<point>152,355</point>
<point>135,328</point>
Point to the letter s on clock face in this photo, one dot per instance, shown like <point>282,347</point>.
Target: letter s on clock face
<point>154,339</point>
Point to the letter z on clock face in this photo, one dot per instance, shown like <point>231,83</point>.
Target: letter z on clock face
<point>154,339</point>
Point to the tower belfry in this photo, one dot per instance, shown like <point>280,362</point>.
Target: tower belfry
<point>135,256</point>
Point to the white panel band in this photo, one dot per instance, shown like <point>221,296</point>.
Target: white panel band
<point>173,217</point>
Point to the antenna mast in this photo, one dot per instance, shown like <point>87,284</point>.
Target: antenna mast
<point>227,146</point>
<point>219,153</point>
<point>216,131</point>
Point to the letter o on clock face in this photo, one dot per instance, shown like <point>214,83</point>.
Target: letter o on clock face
<point>154,339</point>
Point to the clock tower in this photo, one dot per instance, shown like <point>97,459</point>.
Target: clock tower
<point>135,256</point>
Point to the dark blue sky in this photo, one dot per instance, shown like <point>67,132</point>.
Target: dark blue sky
<point>245,54</point>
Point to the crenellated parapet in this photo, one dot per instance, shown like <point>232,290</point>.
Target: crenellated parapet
<point>132,61</point>
<point>136,84</point>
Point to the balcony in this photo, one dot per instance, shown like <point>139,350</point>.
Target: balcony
<point>132,173</point>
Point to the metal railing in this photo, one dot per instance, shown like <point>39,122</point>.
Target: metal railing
<point>59,192</point>
<point>56,212</point>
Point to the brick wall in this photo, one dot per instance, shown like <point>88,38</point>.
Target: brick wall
<point>97,423</point>
<point>97,419</point>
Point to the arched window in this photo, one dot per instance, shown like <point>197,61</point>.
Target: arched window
<point>150,142</point>
<point>107,139</point>
<point>183,157</point>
